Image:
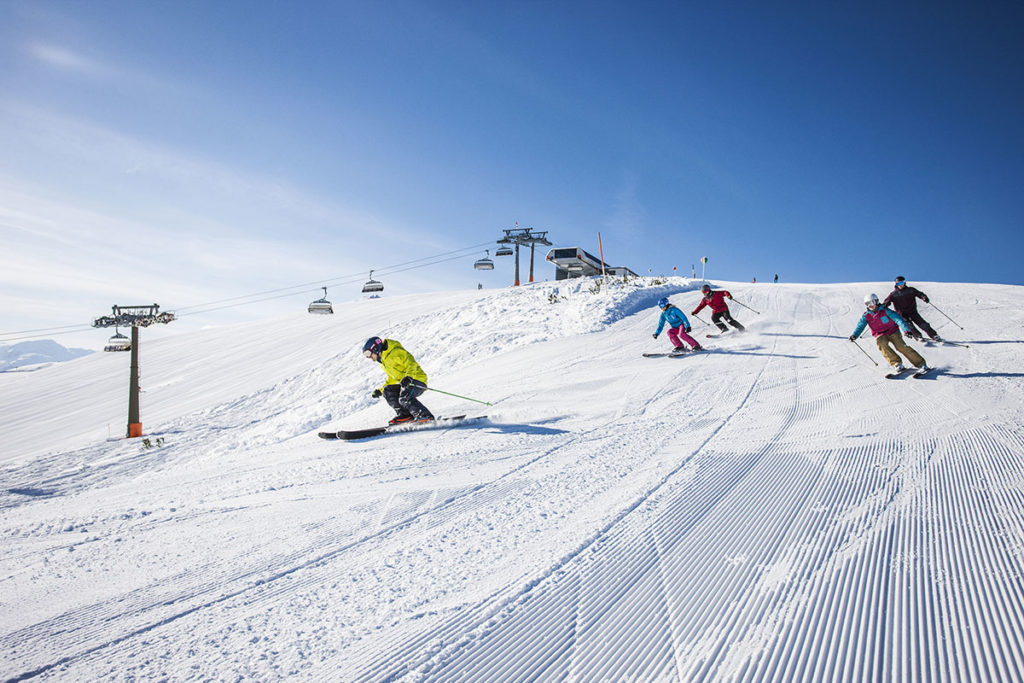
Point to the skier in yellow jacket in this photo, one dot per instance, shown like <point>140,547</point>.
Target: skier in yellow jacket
<point>405,382</point>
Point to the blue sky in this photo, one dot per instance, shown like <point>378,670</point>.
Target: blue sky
<point>189,152</point>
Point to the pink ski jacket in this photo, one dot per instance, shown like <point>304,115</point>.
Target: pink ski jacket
<point>881,321</point>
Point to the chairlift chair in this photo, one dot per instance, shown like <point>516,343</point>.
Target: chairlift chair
<point>118,342</point>
<point>372,285</point>
<point>485,263</point>
<point>504,251</point>
<point>321,306</point>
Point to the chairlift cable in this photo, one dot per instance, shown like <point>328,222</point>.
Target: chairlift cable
<point>339,280</point>
<point>43,329</point>
<point>82,328</point>
<point>276,295</point>
<point>246,299</point>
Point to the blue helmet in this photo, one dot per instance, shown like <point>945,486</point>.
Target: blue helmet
<point>373,346</point>
<point>663,302</point>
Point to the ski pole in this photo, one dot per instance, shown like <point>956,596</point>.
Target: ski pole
<point>947,317</point>
<point>746,306</point>
<point>446,393</point>
<point>864,352</point>
<point>966,346</point>
<point>700,318</point>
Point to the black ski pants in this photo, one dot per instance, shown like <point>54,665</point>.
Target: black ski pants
<point>716,318</point>
<point>404,399</point>
<point>913,317</point>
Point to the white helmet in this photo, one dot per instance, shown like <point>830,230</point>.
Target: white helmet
<point>871,299</point>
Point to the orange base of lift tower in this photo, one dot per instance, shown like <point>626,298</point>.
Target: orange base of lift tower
<point>134,429</point>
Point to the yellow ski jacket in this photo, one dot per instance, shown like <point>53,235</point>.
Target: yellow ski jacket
<point>397,363</point>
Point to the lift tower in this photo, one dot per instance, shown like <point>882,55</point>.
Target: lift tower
<point>134,317</point>
<point>522,236</point>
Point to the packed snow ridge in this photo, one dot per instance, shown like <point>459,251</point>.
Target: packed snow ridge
<point>772,509</point>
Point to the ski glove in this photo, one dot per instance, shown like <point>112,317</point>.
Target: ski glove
<point>406,381</point>
<point>377,393</point>
<point>655,336</point>
<point>852,338</point>
<point>686,330</point>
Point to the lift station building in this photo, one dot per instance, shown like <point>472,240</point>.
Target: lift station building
<point>575,262</point>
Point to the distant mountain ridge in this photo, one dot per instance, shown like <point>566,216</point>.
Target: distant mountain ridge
<point>35,352</point>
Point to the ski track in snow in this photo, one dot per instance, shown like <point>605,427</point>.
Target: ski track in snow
<point>772,509</point>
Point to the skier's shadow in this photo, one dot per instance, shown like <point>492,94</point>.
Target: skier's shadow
<point>738,352</point>
<point>30,491</point>
<point>975,341</point>
<point>815,336</point>
<point>506,428</point>
<point>968,375</point>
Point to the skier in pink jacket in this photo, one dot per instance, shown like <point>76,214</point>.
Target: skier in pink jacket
<point>885,325</point>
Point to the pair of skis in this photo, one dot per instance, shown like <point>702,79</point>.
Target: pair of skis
<point>438,423</point>
<point>676,354</point>
<point>903,373</point>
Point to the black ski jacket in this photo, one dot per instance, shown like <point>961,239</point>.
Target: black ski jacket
<point>905,300</point>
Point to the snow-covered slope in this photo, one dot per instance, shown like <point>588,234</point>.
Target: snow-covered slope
<point>771,510</point>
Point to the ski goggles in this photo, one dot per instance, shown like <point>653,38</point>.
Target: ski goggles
<point>902,283</point>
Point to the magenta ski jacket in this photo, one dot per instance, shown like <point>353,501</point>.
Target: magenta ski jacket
<point>881,321</point>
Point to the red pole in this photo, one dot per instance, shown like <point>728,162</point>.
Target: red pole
<point>601,251</point>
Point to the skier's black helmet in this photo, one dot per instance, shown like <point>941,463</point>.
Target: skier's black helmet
<point>901,281</point>
<point>706,288</point>
<point>373,347</point>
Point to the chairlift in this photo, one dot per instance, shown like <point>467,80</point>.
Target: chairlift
<point>485,263</point>
<point>118,342</point>
<point>504,251</point>
<point>372,285</point>
<point>321,306</point>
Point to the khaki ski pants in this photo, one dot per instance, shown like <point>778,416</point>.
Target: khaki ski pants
<point>896,339</point>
